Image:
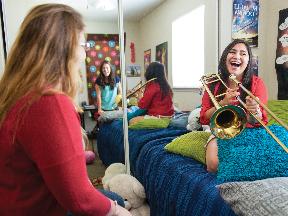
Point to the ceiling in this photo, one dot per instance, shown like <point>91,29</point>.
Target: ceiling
<point>133,10</point>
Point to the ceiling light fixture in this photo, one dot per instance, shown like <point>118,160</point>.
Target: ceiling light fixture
<point>106,5</point>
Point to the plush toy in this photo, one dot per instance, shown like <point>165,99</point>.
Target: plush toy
<point>194,120</point>
<point>90,157</point>
<point>131,190</point>
<point>112,170</point>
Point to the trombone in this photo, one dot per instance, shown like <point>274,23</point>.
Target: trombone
<point>229,121</point>
<point>137,88</point>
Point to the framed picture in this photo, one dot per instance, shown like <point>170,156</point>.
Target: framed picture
<point>147,58</point>
<point>162,55</point>
<point>133,70</point>
<point>245,21</point>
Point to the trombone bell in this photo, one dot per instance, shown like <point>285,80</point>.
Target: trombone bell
<point>228,122</point>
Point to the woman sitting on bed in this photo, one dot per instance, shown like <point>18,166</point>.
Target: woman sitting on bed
<point>157,97</point>
<point>236,59</point>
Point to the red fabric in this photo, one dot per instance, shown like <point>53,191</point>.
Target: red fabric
<point>154,104</point>
<point>44,172</point>
<point>258,89</point>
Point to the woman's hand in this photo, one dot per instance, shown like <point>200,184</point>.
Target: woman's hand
<point>252,106</point>
<point>117,210</point>
<point>230,97</point>
<point>100,112</point>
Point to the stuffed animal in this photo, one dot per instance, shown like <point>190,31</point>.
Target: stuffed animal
<point>131,190</point>
<point>112,170</point>
<point>194,120</point>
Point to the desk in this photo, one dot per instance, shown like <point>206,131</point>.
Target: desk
<point>86,108</point>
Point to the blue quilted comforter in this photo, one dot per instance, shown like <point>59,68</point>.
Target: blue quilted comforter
<point>174,185</point>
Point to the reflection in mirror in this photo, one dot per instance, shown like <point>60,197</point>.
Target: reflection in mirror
<point>185,35</point>
<point>101,22</point>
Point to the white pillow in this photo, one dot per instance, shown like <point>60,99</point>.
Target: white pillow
<point>194,120</point>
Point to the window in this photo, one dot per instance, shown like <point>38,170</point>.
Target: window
<point>188,49</point>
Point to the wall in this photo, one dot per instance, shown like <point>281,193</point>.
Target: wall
<point>153,31</point>
<point>2,60</point>
<point>268,30</point>
<point>156,28</point>
<point>269,44</point>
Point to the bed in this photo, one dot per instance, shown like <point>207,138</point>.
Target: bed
<point>174,185</point>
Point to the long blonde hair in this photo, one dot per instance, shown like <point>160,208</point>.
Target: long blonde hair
<point>42,56</point>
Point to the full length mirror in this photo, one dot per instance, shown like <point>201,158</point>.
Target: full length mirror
<point>183,35</point>
<point>101,32</point>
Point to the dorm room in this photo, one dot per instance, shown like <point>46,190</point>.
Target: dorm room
<point>169,158</point>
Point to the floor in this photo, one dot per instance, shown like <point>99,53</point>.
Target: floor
<point>95,170</point>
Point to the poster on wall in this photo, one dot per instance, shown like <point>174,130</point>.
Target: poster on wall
<point>147,58</point>
<point>245,21</point>
<point>162,55</point>
<point>281,64</point>
<point>133,70</point>
<point>102,47</point>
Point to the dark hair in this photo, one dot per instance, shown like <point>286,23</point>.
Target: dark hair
<point>224,73</point>
<point>111,77</point>
<point>157,70</point>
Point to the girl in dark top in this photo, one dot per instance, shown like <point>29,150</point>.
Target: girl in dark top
<point>157,97</point>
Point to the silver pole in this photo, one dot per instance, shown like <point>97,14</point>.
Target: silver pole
<point>123,81</point>
<point>5,37</point>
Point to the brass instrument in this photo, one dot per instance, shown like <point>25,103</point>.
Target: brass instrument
<point>133,92</point>
<point>229,121</point>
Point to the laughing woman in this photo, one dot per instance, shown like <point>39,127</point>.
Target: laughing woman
<point>236,60</point>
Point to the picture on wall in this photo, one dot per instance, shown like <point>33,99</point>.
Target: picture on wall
<point>147,58</point>
<point>281,65</point>
<point>162,55</point>
<point>245,21</point>
<point>102,47</point>
<point>133,70</point>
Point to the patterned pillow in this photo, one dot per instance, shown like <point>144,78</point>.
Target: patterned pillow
<point>253,155</point>
<point>190,145</point>
<point>257,198</point>
<point>280,109</point>
<point>151,123</point>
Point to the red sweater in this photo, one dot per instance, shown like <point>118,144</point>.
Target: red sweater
<point>153,102</point>
<point>258,89</point>
<point>43,172</point>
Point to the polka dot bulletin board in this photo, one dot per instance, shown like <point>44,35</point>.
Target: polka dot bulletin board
<point>102,47</point>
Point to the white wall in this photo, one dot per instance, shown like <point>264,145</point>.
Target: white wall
<point>269,44</point>
<point>2,60</point>
<point>156,28</point>
<point>267,38</point>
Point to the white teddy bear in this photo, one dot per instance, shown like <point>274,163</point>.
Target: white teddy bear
<point>132,191</point>
<point>111,171</point>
